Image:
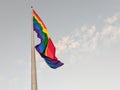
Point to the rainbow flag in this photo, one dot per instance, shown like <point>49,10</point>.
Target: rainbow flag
<point>46,47</point>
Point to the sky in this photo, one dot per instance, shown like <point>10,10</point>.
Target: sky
<point>86,34</point>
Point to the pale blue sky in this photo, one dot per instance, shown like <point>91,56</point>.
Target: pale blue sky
<point>87,37</point>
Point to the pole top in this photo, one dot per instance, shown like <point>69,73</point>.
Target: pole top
<point>32,7</point>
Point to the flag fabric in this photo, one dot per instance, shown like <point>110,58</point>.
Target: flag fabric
<point>46,47</point>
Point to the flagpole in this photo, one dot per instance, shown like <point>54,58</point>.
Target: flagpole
<point>33,61</point>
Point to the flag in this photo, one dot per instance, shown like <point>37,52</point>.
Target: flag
<point>46,47</point>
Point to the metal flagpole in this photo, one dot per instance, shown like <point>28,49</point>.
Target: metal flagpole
<point>33,61</point>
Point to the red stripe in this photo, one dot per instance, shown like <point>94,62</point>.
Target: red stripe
<point>50,51</point>
<point>39,19</point>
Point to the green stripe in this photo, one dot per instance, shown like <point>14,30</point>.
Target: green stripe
<point>45,40</point>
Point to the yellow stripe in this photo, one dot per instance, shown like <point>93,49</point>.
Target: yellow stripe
<point>44,29</point>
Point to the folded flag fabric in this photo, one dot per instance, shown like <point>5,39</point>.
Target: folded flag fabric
<point>46,47</point>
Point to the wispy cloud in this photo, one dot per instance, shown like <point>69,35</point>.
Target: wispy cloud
<point>110,34</point>
<point>67,43</point>
<point>113,18</point>
<point>84,38</point>
<point>87,37</point>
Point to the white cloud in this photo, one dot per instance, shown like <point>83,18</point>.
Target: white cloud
<point>113,18</point>
<point>67,43</point>
<point>87,37</point>
<point>110,34</point>
<point>74,44</point>
<point>84,38</point>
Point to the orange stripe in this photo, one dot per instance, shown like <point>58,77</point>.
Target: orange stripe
<point>35,14</point>
<point>50,50</point>
<point>41,23</point>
